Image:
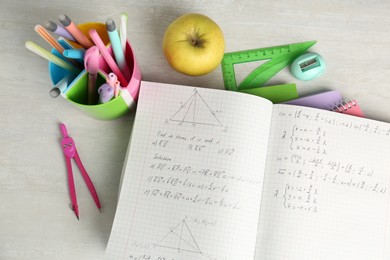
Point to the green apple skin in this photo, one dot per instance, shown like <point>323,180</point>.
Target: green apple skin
<point>193,44</point>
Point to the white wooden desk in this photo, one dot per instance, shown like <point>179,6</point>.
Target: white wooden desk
<point>35,219</point>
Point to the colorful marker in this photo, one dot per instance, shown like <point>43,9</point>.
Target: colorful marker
<point>59,30</point>
<point>47,37</point>
<point>91,64</point>
<point>116,47</point>
<point>53,42</point>
<point>50,57</point>
<point>61,86</point>
<point>75,32</point>
<point>117,88</point>
<point>123,31</point>
<point>74,53</point>
<point>106,92</point>
<point>112,79</point>
<point>107,57</point>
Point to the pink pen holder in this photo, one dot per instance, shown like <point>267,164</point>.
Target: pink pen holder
<point>77,91</point>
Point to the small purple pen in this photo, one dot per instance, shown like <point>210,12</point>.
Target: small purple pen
<point>58,29</point>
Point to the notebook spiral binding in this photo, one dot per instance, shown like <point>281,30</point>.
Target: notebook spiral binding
<point>343,106</point>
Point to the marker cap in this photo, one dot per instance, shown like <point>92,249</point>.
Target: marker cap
<point>51,26</point>
<point>110,24</point>
<point>64,19</point>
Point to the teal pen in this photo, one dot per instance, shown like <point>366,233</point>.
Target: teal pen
<point>117,47</point>
<point>74,53</point>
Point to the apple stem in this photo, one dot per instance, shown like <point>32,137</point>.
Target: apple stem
<point>194,37</point>
<point>194,42</point>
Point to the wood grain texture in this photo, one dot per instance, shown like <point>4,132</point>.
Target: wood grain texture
<point>36,222</point>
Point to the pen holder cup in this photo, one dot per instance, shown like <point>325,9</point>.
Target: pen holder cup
<point>77,90</point>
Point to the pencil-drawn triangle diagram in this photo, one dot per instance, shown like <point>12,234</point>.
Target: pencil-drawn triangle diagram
<point>180,238</point>
<point>196,111</point>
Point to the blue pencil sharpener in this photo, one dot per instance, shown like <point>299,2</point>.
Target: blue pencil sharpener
<point>308,66</point>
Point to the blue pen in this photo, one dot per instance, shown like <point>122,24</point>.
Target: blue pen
<point>74,53</point>
<point>117,47</point>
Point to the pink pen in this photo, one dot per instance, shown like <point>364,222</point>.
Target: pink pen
<point>75,32</point>
<point>91,63</point>
<point>107,57</point>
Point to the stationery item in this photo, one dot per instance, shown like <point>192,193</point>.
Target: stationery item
<point>308,66</point>
<point>349,107</point>
<point>76,93</point>
<point>276,94</point>
<point>323,100</point>
<point>117,88</point>
<point>330,100</point>
<point>112,79</point>
<point>61,86</point>
<point>59,30</point>
<point>214,174</point>
<point>50,57</point>
<point>47,37</point>
<point>91,64</point>
<point>75,32</point>
<point>74,53</point>
<point>107,57</point>
<point>123,31</point>
<point>278,56</point>
<point>53,42</point>
<point>69,148</point>
<point>106,93</point>
<point>116,47</point>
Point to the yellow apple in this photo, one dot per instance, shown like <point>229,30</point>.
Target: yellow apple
<point>193,44</point>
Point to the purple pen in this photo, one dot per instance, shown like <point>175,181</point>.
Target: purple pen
<point>58,29</point>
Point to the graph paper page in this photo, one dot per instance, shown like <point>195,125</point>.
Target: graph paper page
<point>326,192</point>
<point>193,179</point>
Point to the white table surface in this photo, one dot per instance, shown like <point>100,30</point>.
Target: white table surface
<point>35,219</point>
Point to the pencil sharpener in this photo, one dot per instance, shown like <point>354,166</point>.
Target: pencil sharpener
<point>308,66</point>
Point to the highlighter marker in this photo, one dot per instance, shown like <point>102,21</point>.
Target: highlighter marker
<point>91,64</point>
<point>123,31</point>
<point>74,53</point>
<point>50,57</point>
<point>117,47</point>
<point>111,79</point>
<point>107,57</point>
<point>53,42</point>
<point>117,88</point>
<point>75,32</point>
<point>61,86</point>
<point>58,29</point>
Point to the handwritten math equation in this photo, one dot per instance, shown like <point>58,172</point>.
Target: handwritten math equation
<point>369,128</point>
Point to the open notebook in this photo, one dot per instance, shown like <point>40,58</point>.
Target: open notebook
<point>220,175</point>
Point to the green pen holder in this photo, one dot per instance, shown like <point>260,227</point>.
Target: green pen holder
<point>77,90</point>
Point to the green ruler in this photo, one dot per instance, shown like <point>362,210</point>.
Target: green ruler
<point>278,56</point>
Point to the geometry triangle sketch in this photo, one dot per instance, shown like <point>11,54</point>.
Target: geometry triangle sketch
<point>196,111</point>
<point>180,238</point>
